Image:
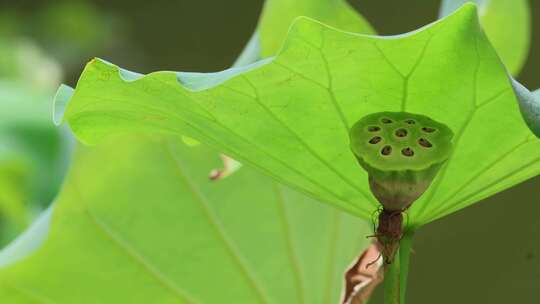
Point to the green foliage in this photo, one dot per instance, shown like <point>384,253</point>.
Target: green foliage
<point>33,152</point>
<point>28,241</point>
<point>28,135</point>
<point>290,115</point>
<point>23,62</point>
<point>529,104</point>
<point>13,195</point>
<point>73,24</point>
<point>32,155</point>
<point>74,30</point>
<point>277,16</point>
<point>507,24</point>
<point>138,220</point>
<point>69,31</point>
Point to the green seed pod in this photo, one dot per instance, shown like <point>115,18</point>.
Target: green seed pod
<point>402,153</point>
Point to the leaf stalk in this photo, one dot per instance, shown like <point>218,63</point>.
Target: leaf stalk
<point>395,282</point>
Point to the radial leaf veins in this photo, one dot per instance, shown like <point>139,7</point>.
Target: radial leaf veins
<point>290,115</point>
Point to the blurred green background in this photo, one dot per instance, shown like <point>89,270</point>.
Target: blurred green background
<point>488,253</point>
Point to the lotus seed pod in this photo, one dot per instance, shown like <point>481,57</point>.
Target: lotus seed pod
<point>402,153</point>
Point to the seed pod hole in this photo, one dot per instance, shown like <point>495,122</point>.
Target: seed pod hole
<point>386,150</point>
<point>401,132</point>
<point>428,130</point>
<point>373,129</point>
<point>375,140</point>
<point>424,143</point>
<point>386,120</point>
<point>407,152</point>
<point>410,121</point>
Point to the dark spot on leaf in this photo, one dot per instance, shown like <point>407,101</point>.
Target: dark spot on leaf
<point>386,120</point>
<point>386,150</point>
<point>407,152</point>
<point>373,129</point>
<point>424,143</point>
<point>375,140</point>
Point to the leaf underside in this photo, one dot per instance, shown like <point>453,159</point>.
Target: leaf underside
<point>31,155</point>
<point>138,221</point>
<point>289,116</point>
<point>278,15</point>
<point>507,25</point>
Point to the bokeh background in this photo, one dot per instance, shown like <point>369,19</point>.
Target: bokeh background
<point>487,253</point>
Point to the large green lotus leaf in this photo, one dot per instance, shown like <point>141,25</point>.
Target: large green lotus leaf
<point>277,15</point>
<point>32,152</point>
<point>28,135</point>
<point>290,115</point>
<point>27,242</point>
<point>13,212</point>
<point>507,25</point>
<point>529,104</point>
<point>138,221</point>
<point>24,104</point>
